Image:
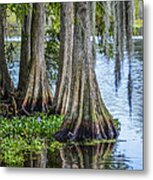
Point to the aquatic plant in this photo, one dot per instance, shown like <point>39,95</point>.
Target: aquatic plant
<point>21,135</point>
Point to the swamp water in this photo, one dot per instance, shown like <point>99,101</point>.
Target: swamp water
<point>125,104</point>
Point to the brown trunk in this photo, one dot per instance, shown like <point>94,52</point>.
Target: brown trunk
<point>65,69</point>
<point>38,95</point>
<point>6,85</point>
<point>87,116</point>
<point>25,54</point>
<point>93,26</point>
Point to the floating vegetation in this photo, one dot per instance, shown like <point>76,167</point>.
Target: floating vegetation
<point>21,135</point>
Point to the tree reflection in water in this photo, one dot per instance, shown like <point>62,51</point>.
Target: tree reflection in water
<point>76,156</point>
<point>99,156</point>
<point>36,160</point>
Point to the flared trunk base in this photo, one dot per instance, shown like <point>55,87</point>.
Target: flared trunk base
<point>30,105</point>
<point>92,131</point>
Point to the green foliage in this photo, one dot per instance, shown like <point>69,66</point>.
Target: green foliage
<point>19,136</point>
<point>138,22</point>
<point>19,10</point>
<point>94,142</point>
<point>100,24</point>
<point>54,146</point>
<point>15,15</point>
<point>137,26</point>
<point>53,16</point>
<point>30,128</point>
<point>136,8</point>
<point>52,34</point>
<point>101,30</point>
<point>117,124</point>
<point>11,151</point>
<point>104,15</point>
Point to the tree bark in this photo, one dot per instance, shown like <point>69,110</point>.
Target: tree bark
<point>93,28</point>
<point>38,95</point>
<point>25,53</point>
<point>65,68</point>
<point>87,116</point>
<point>6,85</point>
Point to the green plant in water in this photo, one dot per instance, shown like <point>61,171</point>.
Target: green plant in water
<point>21,135</point>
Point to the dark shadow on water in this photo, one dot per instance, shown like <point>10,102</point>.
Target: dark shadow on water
<point>87,157</point>
<point>22,171</point>
<point>48,158</point>
<point>98,156</point>
<point>75,156</point>
<point>130,83</point>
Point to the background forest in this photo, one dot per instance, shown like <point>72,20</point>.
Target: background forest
<point>57,96</point>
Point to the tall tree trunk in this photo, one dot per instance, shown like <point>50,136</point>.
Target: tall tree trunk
<point>65,68</point>
<point>38,95</point>
<point>87,116</point>
<point>6,85</point>
<point>93,26</point>
<point>25,53</point>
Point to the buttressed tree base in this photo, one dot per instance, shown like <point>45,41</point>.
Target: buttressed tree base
<point>71,85</point>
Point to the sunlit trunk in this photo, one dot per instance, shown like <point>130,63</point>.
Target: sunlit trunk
<point>38,95</point>
<point>93,28</point>
<point>25,53</point>
<point>62,95</point>
<point>87,116</point>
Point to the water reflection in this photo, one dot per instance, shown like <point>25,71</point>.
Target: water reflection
<point>47,158</point>
<point>127,154</point>
<point>127,105</point>
<point>129,56</point>
<point>117,71</point>
<point>99,156</point>
<point>130,91</point>
<point>87,157</point>
<point>32,159</point>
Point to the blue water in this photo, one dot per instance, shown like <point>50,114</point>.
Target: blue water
<point>130,140</point>
<point>127,152</point>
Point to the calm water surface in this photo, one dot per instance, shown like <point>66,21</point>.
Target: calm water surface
<point>128,108</point>
<point>125,104</point>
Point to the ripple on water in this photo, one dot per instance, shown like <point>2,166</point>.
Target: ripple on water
<point>128,152</point>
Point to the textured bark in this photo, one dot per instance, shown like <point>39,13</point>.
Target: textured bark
<point>38,95</point>
<point>65,69</point>
<point>25,53</point>
<point>93,30</point>
<point>87,116</point>
<point>6,85</point>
